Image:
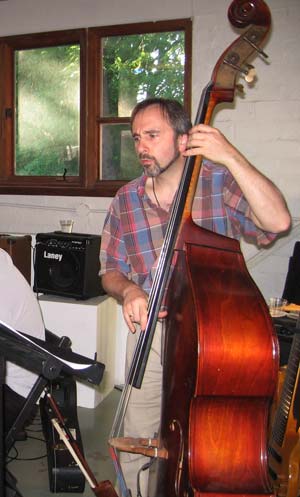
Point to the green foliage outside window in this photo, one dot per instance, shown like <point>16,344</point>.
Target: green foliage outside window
<point>139,66</point>
<point>47,110</point>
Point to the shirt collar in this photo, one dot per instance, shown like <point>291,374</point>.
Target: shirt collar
<point>141,186</point>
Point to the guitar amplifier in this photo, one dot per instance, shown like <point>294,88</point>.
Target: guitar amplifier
<point>64,473</point>
<point>67,264</point>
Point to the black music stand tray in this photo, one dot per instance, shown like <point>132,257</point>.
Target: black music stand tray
<point>49,359</point>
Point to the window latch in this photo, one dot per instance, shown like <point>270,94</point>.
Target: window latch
<point>8,113</point>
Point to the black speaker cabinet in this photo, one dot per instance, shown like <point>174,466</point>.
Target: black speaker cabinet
<point>64,473</point>
<point>291,290</point>
<point>67,264</point>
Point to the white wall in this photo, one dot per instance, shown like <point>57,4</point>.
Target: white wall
<point>264,125</point>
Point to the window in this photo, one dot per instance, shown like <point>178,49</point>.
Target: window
<point>66,99</point>
<point>47,115</point>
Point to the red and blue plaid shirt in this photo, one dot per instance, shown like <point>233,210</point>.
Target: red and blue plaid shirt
<point>134,228</point>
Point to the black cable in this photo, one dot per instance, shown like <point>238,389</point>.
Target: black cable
<point>10,459</point>
<point>143,468</point>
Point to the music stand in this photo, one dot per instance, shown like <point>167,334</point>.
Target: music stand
<point>49,361</point>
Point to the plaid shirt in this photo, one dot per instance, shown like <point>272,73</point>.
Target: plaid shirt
<point>134,228</point>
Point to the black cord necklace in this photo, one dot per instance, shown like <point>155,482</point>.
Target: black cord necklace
<point>154,193</point>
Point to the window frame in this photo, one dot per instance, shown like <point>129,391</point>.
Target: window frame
<point>87,183</point>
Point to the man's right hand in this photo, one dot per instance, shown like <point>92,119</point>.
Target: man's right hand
<point>135,307</point>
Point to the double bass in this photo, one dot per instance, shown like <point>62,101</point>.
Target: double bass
<point>220,353</point>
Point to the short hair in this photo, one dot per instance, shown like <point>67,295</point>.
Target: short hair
<point>172,110</point>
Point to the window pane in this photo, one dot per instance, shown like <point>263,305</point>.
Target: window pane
<point>119,161</point>
<point>47,111</point>
<point>140,66</point>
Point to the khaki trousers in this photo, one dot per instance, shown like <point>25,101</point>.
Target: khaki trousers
<point>142,416</point>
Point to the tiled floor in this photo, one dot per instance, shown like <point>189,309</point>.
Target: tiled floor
<point>31,468</point>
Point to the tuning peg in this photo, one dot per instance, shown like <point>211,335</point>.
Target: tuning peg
<point>258,49</point>
<point>249,73</point>
<point>247,70</point>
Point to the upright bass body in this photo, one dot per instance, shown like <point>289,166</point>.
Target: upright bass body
<point>220,353</point>
<point>220,371</point>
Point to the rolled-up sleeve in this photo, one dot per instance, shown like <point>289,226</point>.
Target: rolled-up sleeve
<point>113,256</point>
<point>239,213</point>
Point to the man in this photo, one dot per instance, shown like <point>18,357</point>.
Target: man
<point>19,309</point>
<point>233,199</point>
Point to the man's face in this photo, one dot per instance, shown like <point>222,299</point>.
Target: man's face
<point>155,142</point>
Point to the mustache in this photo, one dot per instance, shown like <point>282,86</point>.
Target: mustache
<point>145,156</point>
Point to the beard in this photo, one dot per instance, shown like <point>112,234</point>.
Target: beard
<point>156,168</point>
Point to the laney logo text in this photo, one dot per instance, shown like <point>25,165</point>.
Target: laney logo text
<point>49,255</point>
